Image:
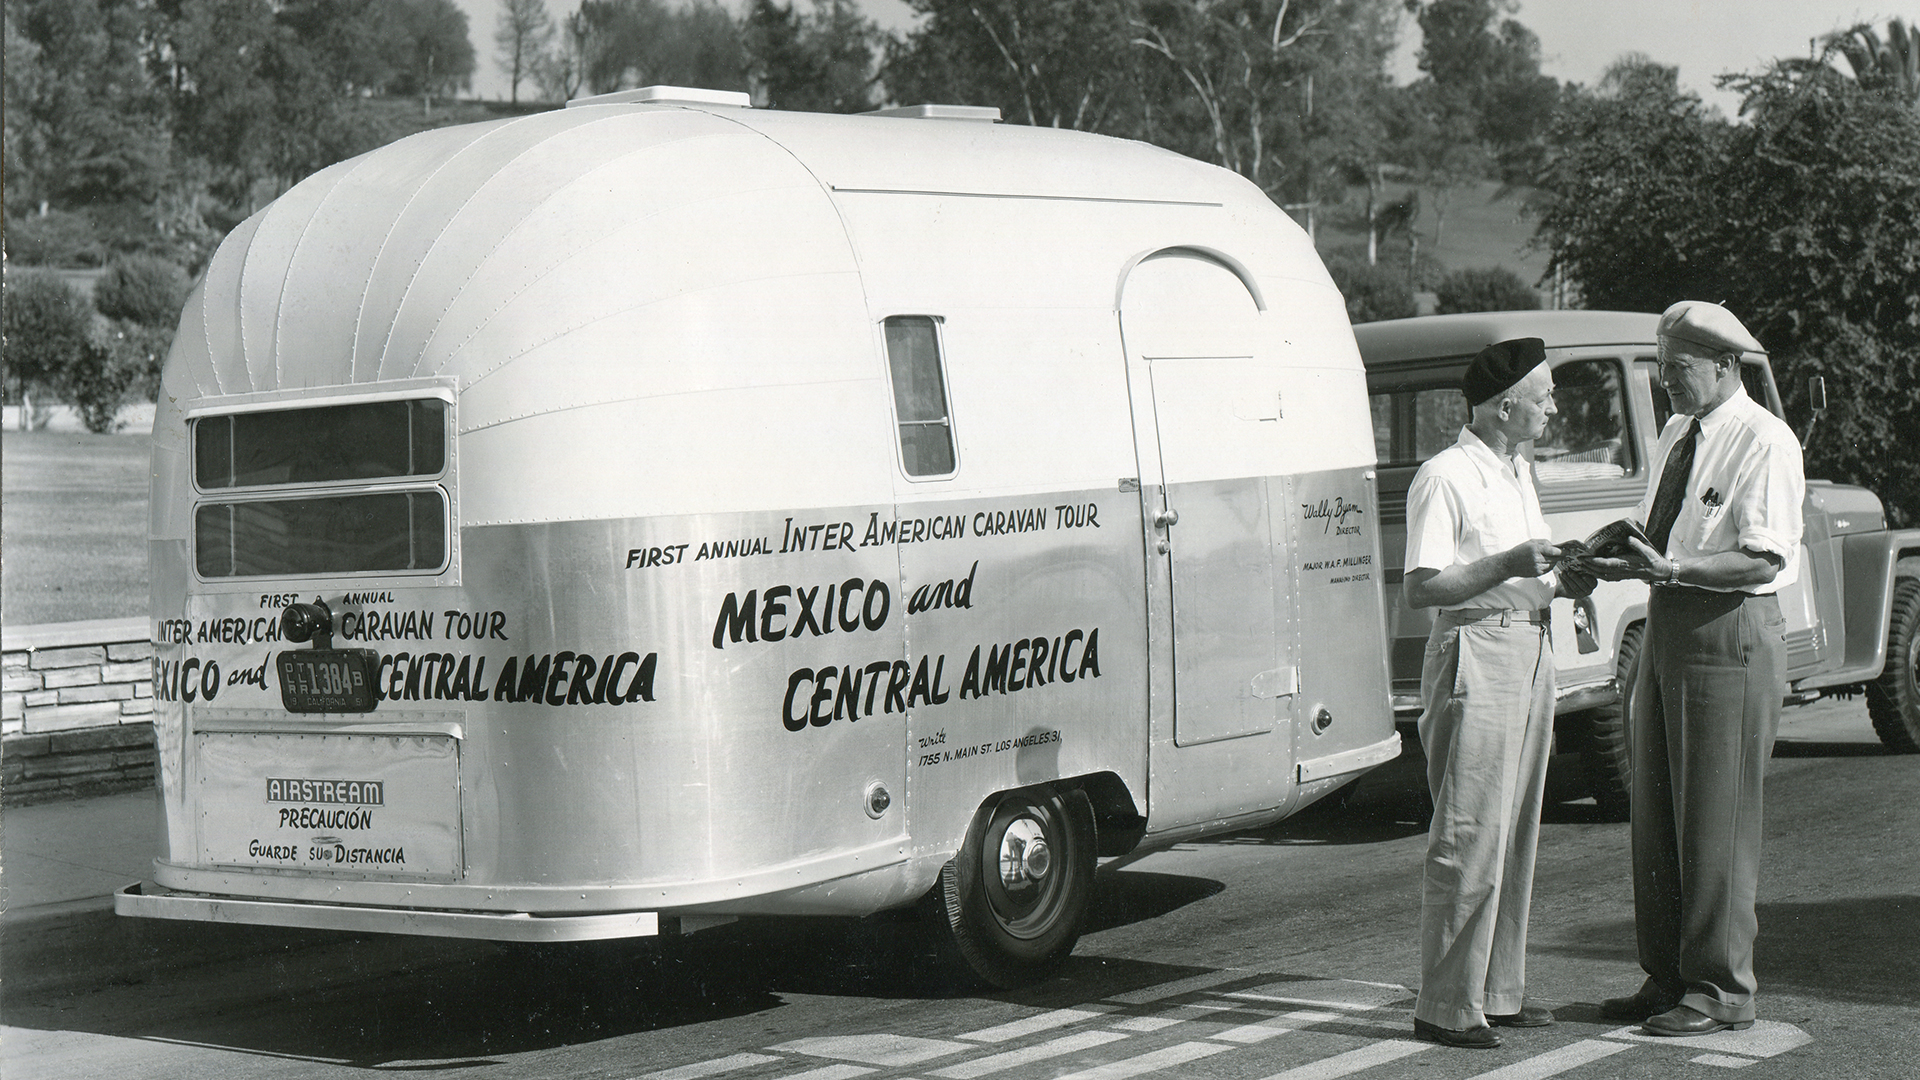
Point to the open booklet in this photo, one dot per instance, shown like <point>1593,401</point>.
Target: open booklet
<point>1609,541</point>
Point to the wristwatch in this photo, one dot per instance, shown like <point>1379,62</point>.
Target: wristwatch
<point>1673,572</point>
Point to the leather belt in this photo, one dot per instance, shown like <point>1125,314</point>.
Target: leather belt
<point>1506,616</point>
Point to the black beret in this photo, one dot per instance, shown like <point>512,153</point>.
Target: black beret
<point>1499,366</point>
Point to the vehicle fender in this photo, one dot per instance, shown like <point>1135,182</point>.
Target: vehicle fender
<point>1869,564</point>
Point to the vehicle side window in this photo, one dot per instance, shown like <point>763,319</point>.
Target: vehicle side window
<point>1752,376</point>
<point>919,395</point>
<point>1588,438</point>
<point>1413,423</point>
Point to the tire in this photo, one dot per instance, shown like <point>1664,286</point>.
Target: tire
<point>1605,760</point>
<point>1893,699</point>
<point>1004,933</point>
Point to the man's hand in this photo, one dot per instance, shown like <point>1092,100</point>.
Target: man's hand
<point>1575,582</point>
<point>1530,559</point>
<point>1641,563</point>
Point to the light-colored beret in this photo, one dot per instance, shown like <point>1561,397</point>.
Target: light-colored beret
<point>1709,326</point>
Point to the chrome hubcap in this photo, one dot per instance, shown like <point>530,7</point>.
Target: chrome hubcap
<point>1024,855</point>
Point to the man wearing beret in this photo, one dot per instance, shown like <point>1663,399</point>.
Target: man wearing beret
<point>1723,514</point>
<point>1477,549</point>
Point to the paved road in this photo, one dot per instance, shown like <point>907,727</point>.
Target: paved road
<point>1282,952</point>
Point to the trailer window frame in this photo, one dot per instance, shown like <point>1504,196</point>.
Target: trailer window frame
<point>205,503</point>
<point>901,398</point>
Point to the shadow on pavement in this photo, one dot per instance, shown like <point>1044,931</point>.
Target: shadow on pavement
<point>1862,949</point>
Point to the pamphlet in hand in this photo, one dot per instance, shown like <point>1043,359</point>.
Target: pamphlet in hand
<point>1609,541</point>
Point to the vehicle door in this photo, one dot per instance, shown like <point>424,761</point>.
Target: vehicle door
<point>1220,620</point>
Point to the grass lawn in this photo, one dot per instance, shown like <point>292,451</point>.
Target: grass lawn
<point>73,526</point>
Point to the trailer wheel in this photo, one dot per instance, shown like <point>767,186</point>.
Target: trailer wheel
<point>1605,759</point>
<point>1893,699</point>
<point>1012,901</point>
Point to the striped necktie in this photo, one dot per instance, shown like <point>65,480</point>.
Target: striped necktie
<point>1673,488</point>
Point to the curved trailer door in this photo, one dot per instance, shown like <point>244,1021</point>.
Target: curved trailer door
<point>1220,623</point>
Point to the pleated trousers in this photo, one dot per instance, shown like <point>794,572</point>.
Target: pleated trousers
<point>1487,728</point>
<point>1705,711</point>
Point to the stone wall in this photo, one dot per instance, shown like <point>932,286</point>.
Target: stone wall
<point>76,715</point>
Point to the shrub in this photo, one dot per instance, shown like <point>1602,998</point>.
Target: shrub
<point>55,238</point>
<point>1493,288</point>
<point>101,380</point>
<point>142,289</point>
<point>1372,292</point>
<point>45,325</point>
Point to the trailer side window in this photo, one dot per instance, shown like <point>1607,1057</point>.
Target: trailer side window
<point>919,395</point>
<point>1588,438</point>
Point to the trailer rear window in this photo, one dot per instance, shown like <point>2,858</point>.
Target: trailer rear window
<point>919,396</point>
<point>361,441</point>
<point>339,534</point>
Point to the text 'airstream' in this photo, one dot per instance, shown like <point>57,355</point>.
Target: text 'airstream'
<point>618,520</point>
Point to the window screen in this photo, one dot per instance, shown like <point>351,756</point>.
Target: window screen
<point>919,395</point>
<point>386,531</point>
<point>361,441</point>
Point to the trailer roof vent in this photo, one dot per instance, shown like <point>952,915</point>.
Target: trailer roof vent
<point>668,95</point>
<point>978,113</point>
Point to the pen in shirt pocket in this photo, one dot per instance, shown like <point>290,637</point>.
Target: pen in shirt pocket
<point>1712,498</point>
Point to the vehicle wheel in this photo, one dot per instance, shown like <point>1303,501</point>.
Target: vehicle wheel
<point>1012,901</point>
<point>1893,699</point>
<point>1605,760</point>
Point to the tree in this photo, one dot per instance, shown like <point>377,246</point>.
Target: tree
<point>44,331</point>
<point>522,35</point>
<point>84,125</point>
<point>1494,288</point>
<point>1372,292</point>
<point>619,44</point>
<point>818,62</point>
<point>1802,220</point>
<point>1484,73</point>
<point>142,289</point>
<point>1618,194</point>
<point>1048,63</point>
<point>1892,65</point>
<point>1286,90</point>
<point>436,53</point>
<point>250,100</point>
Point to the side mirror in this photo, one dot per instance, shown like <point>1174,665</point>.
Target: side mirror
<point>1817,399</point>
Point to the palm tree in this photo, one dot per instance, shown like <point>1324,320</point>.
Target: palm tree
<point>1893,64</point>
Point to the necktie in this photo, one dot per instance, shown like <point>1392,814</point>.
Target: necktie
<point>1673,488</point>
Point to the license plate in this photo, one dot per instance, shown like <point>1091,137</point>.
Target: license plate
<point>327,680</point>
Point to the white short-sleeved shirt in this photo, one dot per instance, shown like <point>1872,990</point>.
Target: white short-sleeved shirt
<point>1745,490</point>
<point>1467,503</point>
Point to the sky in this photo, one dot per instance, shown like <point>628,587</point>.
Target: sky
<point>1578,38</point>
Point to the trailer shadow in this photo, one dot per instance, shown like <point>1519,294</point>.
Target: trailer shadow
<point>374,1001</point>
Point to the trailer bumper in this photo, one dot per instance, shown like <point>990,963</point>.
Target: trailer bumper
<point>149,901</point>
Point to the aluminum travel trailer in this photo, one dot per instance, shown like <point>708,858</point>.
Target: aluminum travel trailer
<point>621,519</point>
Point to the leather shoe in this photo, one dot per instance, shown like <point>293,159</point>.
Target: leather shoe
<point>1477,1038</point>
<point>1528,1016</point>
<point>1636,1007</point>
<point>1684,1020</point>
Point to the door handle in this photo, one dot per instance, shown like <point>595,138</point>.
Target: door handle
<point>1166,518</point>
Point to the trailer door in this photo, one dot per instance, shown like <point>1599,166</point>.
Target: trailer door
<point>1199,392</point>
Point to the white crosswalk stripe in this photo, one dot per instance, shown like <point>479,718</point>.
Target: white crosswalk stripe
<point>1033,1025</point>
<point>1149,1063</point>
<point>1013,1059</point>
<point>1556,1061</point>
<point>716,1067</point>
<point>1353,1061</point>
